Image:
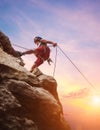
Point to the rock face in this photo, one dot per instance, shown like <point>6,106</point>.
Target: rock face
<point>28,101</point>
<point>6,45</point>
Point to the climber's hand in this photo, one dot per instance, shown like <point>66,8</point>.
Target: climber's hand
<point>54,44</point>
<point>49,61</point>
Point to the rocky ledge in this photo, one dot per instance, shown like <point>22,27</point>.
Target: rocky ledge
<point>28,101</point>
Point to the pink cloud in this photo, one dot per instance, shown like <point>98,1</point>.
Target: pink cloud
<point>78,94</point>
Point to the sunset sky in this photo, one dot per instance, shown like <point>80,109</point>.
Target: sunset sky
<point>75,26</point>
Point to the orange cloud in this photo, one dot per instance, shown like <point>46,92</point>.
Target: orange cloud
<point>78,94</point>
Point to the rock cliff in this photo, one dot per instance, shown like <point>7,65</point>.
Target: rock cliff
<point>28,101</point>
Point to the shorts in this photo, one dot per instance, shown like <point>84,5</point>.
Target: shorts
<point>42,53</point>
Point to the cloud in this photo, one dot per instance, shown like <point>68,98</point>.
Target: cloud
<point>73,28</point>
<point>76,31</point>
<point>80,23</point>
<point>78,94</point>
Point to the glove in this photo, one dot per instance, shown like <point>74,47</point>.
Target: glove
<point>49,60</point>
<point>54,44</point>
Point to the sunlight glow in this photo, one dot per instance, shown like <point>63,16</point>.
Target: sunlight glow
<point>96,100</point>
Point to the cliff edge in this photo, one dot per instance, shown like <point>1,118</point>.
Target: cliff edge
<point>28,101</point>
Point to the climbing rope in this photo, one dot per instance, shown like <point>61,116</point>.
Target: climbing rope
<point>20,46</point>
<point>76,68</point>
<point>24,47</point>
<point>55,63</point>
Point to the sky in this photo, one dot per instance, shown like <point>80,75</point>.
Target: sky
<point>75,26</point>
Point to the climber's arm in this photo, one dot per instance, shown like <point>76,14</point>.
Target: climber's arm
<point>48,42</point>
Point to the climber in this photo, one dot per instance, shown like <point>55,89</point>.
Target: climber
<point>42,52</point>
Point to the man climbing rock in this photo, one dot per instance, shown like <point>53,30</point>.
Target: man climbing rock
<point>42,52</point>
